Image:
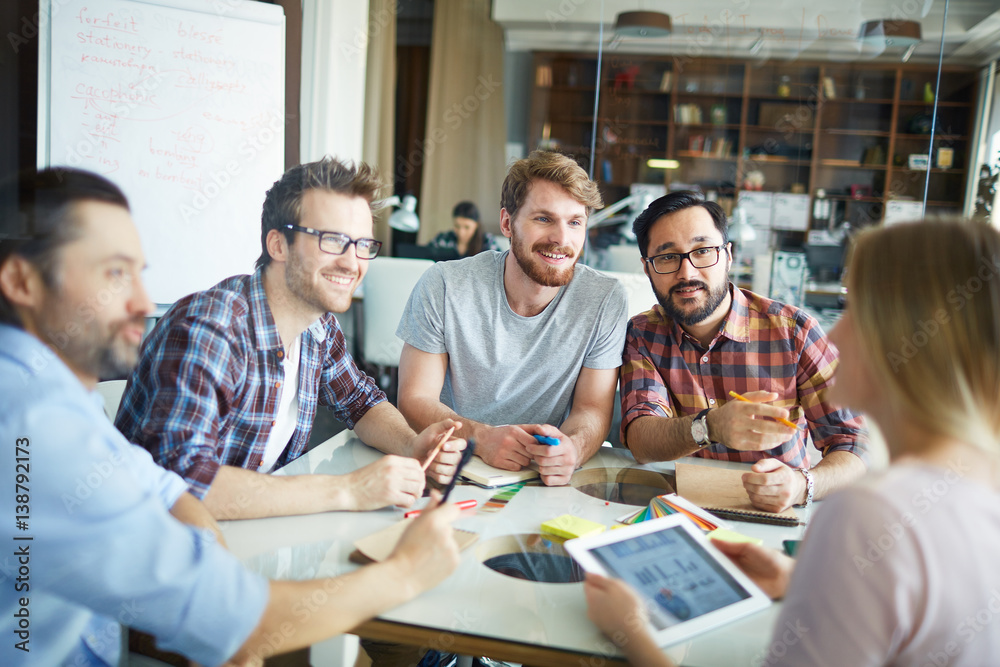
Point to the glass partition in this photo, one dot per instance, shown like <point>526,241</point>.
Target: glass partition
<point>801,138</point>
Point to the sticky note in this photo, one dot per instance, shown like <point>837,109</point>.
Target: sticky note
<point>733,536</point>
<point>570,526</point>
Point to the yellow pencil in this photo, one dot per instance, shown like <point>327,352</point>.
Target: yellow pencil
<point>781,420</point>
<point>444,439</point>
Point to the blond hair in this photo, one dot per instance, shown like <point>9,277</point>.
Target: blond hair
<point>925,297</point>
<point>548,166</point>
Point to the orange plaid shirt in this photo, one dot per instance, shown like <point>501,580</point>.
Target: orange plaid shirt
<point>763,345</point>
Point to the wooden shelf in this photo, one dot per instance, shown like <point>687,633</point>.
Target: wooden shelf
<point>681,93</point>
<point>708,126</point>
<point>850,164</point>
<point>701,156</point>
<point>770,128</point>
<point>919,103</point>
<point>778,98</point>
<point>787,162</point>
<point>611,90</point>
<point>793,154</point>
<point>943,137</point>
<point>857,133</point>
<point>933,170</point>
<point>848,100</point>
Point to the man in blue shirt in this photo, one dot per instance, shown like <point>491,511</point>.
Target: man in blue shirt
<point>97,534</point>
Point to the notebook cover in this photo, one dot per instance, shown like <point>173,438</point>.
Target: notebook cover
<point>483,474</point>
<point>722,489</point>
<point>377,546</point>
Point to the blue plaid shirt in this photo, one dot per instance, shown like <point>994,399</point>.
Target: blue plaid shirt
<point>205,392</point>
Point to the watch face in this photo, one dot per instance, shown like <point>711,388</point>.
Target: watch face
<point>699,431</point>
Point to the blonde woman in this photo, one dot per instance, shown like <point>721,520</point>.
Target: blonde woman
<point>901,568</point>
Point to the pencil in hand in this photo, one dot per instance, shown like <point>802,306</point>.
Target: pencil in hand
<point>437,450</point>
<point>780,420</point>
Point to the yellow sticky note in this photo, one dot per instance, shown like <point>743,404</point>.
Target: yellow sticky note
<point>733,536</point>
<point>570,526</point>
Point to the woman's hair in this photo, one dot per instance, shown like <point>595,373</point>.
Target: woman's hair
<point>469,211</point>
<point>925,298</point>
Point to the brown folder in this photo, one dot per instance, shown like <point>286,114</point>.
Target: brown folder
<point>376,547</point>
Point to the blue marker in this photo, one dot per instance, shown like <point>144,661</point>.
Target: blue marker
<point>546,440</point>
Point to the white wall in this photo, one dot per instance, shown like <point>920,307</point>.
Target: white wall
<point>334,53</point>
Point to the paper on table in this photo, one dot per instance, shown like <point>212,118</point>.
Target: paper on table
<point>720,489</point>
<point>377,546</point>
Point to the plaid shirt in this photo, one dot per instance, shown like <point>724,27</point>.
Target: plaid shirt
<point>763,345</point>
<point>205,392</point>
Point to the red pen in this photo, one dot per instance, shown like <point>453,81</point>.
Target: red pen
<point>462,504</point>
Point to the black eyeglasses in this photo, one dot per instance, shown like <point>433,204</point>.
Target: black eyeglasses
<point>336,243</point>
<point>700,258</point>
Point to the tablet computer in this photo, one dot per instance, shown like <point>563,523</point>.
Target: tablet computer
<point>688,585</point>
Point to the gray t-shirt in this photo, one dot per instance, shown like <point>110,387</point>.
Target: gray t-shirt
<point>504,368</point>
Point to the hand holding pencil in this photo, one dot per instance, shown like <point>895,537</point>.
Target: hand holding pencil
<point>437,452</point>
<point>749,423</point>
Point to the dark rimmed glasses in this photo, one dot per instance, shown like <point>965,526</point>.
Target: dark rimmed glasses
<point>335,243</point>
<point>700,258</point>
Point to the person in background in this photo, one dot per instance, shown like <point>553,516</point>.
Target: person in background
<point>109,537</point>
<point>468,237</point>
<point>880,579</point>
<point>707,338</point>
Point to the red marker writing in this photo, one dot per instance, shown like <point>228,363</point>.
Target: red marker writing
<point>462,504</point>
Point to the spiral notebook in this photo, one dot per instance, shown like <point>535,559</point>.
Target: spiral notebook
<point>721,492</point>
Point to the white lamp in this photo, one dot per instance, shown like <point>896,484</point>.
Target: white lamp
<point>405,217</point>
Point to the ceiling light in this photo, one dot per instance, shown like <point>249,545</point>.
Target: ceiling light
<point>887,33</point>
<point>643,24</point>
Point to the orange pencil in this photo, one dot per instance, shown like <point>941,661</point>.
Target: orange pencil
<point>444,439</point>
<point>781,420</point>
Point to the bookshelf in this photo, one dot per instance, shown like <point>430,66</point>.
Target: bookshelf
<point>846,129</point>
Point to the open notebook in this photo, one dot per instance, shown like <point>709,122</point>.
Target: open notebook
<point>720,491</point>
<point>482,473</point>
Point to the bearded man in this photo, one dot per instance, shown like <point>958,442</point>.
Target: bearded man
<point>229,380</point>
<point>708,338</point>
<point>524,342</point>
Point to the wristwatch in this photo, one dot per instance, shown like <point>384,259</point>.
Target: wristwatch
<point>810,486</point>
<point>699,429</point>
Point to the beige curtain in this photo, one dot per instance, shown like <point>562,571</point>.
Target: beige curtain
<point>380,103</point>
<point>466,136</point>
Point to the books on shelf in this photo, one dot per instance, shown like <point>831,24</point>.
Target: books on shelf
<point>687,114</point>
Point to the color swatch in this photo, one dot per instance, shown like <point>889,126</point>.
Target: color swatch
<point>500,500</point>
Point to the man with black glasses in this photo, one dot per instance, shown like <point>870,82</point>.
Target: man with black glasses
<point>228,382</point>
<point>708,338</point>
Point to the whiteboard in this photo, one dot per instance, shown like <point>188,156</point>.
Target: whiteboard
<point>181,104</point>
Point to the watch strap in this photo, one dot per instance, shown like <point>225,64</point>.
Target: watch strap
<point>810,486</point>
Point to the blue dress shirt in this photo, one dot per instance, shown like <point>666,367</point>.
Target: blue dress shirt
<point>97,546</point>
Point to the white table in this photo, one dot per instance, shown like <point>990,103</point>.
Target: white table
<point>478,610</point>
